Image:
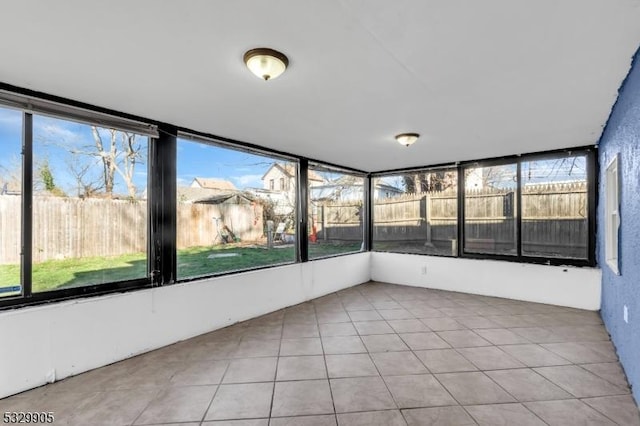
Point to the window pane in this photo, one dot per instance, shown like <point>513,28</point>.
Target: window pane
<point>416,213</point>
<point>89,205</point>
<point>490,222</point>
<point>554,208</point>
<point>612,215</point>
<point>336,200</point>
<point>230,213</point>
<point>10,201</point>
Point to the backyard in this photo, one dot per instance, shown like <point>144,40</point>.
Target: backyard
<point>192,262</point>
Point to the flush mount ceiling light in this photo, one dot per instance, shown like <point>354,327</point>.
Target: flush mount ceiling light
<point>407,139</point>
<point>265,63</point>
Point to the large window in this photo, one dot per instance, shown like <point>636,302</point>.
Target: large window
<point>612,214</point>
<point>490,209</point>
<point>10,201</point>
<point>552,191</point>
<point>89,217</point>
<point>555,207</point>
<point>534,208</point>
<point>336,211</point>
<point>230,215</point>
<point>416,212</point>
<point>92,202</point>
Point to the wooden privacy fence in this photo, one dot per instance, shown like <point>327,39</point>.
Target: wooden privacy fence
<point>75,228</point>
<point>338,220</point>
<point>554,216</point>
<point>197,224</point>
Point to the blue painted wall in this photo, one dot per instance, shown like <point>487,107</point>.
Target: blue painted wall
<point>622,136</point>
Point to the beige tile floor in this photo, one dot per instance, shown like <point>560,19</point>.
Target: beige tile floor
<point>375,354</point>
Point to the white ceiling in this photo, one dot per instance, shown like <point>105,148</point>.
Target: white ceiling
<point>476,78</point>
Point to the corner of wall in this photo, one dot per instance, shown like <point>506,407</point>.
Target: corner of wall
<point>68,338</point>
<point>557,285</point>
<point>621,293</point>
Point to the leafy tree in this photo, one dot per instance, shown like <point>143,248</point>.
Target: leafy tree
<point>45,180</point>
<point>46,176</point>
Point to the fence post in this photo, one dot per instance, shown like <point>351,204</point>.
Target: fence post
<point>270,234</point>
<point>323,216</point>
<point>427,218</point>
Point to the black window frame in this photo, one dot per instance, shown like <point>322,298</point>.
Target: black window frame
<point>591,154</point>
<point>31,105</point>
<point>462,206</point>
<point>161,186</point>
<point>220,143</point>
<point>319,165</point>
<point>428,169</point>
<point>161,253</point>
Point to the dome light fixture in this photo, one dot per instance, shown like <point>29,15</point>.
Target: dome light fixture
<point>407,139</point>
<point>266,63</point>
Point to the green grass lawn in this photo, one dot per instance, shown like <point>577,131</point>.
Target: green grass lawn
<point>192,262</point>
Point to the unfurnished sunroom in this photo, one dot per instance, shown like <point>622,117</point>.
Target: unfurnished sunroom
<point>319,213</point>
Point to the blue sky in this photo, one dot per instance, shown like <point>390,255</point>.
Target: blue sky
<point>54,138</point>
<point>196,159</point>
<point>10,138</point>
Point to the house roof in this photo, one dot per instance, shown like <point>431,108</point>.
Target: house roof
<point>388,187</point>
<point>188,193</point>
<point>214,183</point>
<point>290,171</point>
<point>236,197</point>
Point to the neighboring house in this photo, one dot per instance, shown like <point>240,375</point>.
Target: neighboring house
<point>188,194</point>
<point>205,188</point>
<point>283,202</point>
<point>282,177</point>
<point>476,178</point>
<point>350,188</point>
<point>279,187</point>
<point>383,190</point>
<point>212,183</point>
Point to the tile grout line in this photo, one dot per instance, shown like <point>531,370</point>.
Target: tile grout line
<point>393,398</point>
<point>224,373</point>
<point>324,358</point>
<point>432,375</point>
<point>372,293</point>
<point>275,374</point>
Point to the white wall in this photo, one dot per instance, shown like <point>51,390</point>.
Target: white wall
<point>556,285</point>
<point>71,337</point>
<point>75,336</point>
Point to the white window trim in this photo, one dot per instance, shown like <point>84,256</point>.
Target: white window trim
<point>612,214</point>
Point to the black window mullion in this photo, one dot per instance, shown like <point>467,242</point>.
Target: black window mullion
<point>367,212</point>
<point>162,206</point>
<point>592,199</point>
<point>303,211</point>
<point>461,201</point>
<point>518,211</point>
<point>27,205</point>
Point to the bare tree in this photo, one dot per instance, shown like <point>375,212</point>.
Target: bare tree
<point>418,183</point>
<point>86,183</point>
<point>97,163</point>
<point>10,174</point>
<point>119,155</point>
